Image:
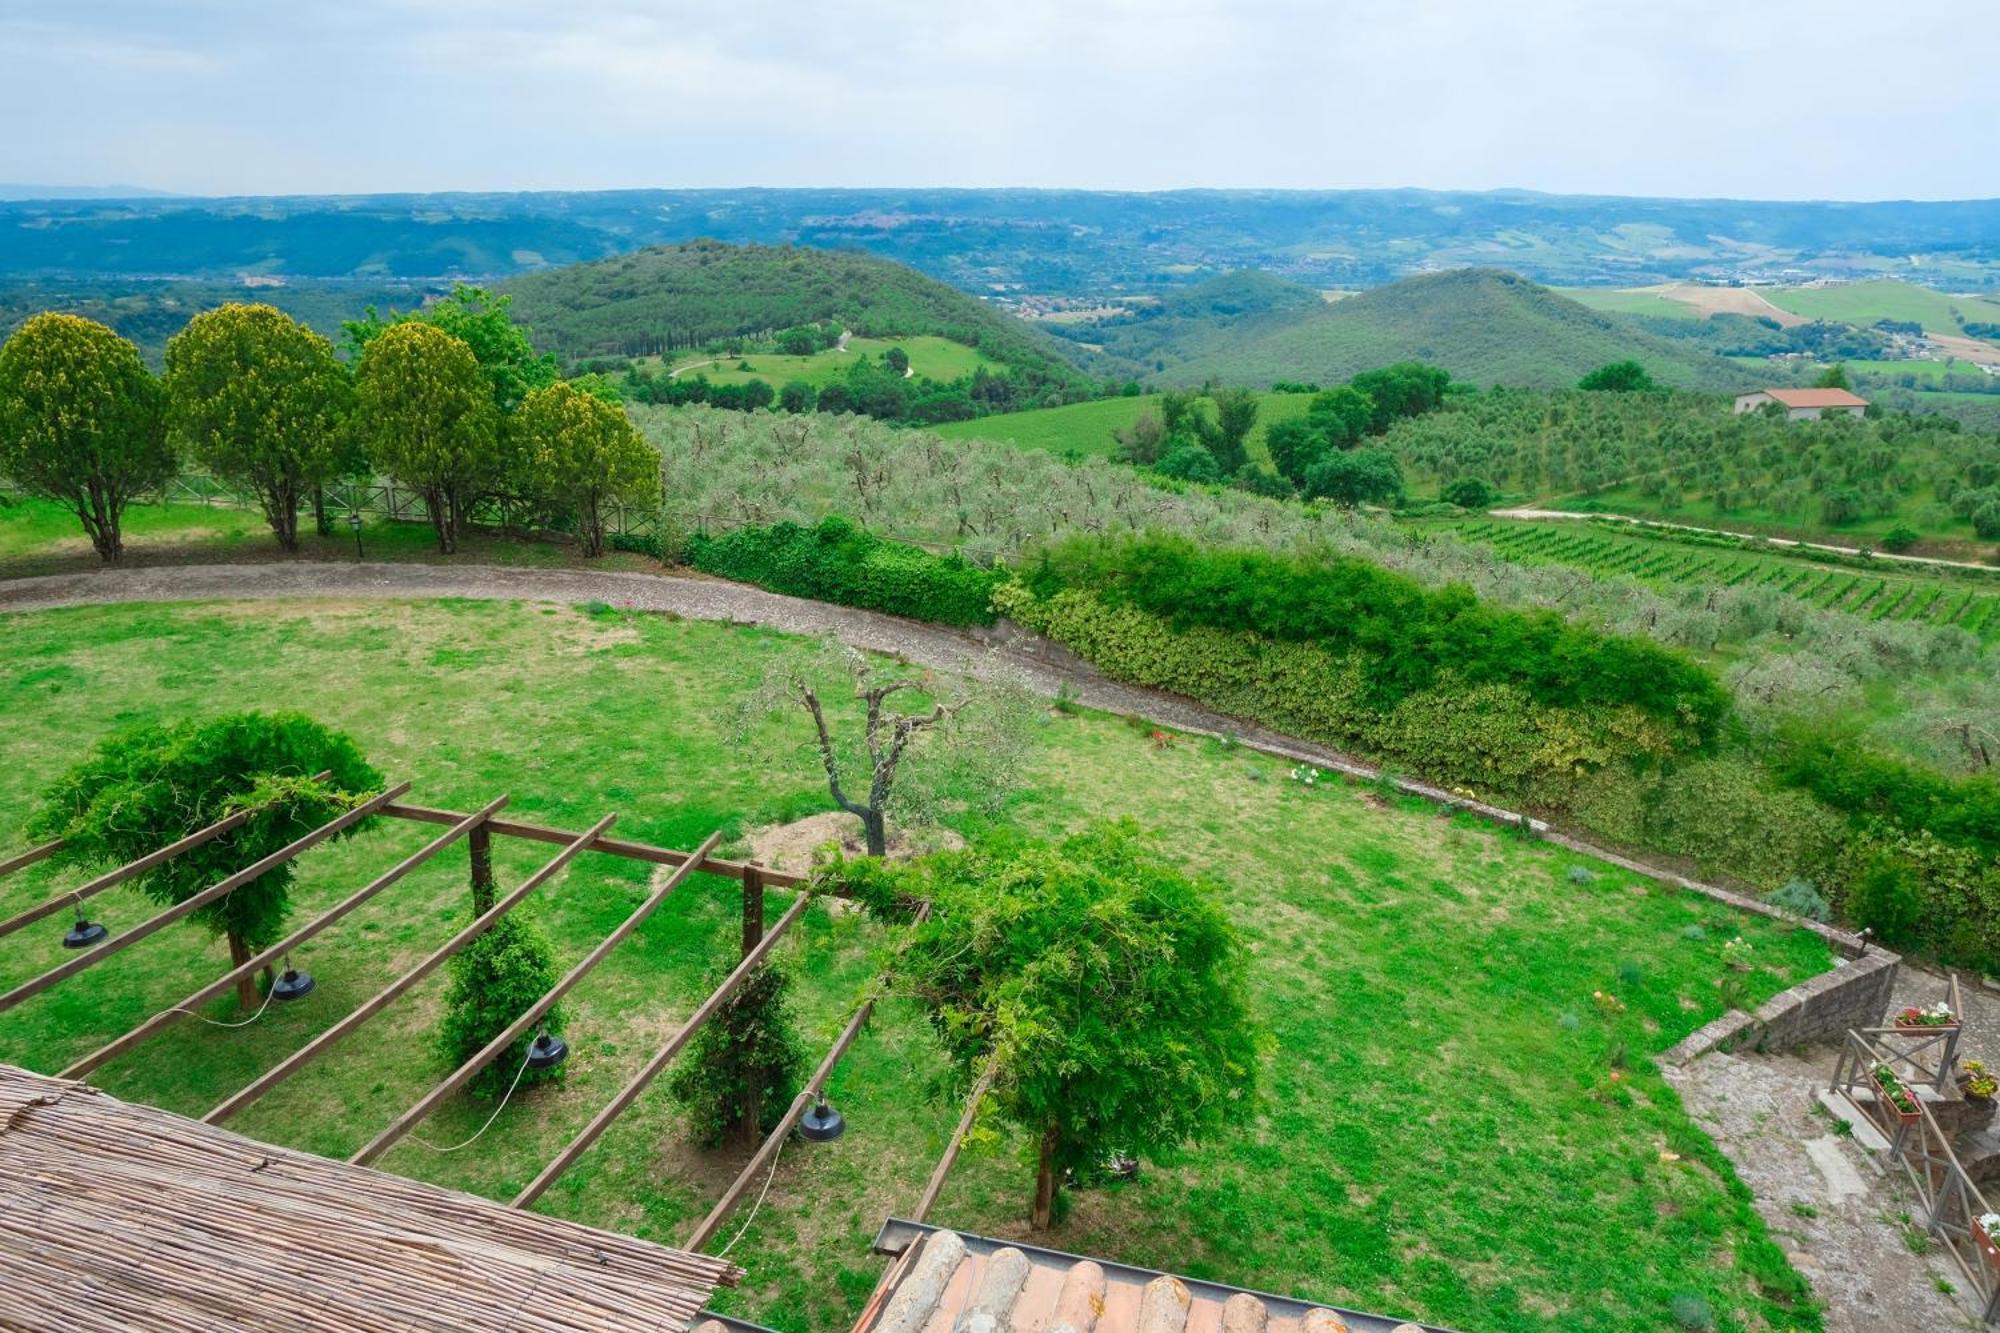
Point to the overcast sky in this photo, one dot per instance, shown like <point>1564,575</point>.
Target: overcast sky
<point>1842,99</point>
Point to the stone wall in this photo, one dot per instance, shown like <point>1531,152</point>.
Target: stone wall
<point>1855,994</point>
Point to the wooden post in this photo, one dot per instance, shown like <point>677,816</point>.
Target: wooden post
<point>750,1111</point>
<point>479,845</point>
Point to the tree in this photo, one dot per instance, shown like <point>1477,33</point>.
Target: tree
<point>746,1063</point>
<point>1235,415</point>
<point>482,322</point>
<point>428,420</point>
<point>1358,477</point>
<point>1342,416</point>
<point>897,360</point>
<point>580,451</point>
<point>1103,988</point>
<point>494,980</point>
<point>1468,493</point>
<point>1295,446</point>
<point>1406,389</point>
<point>797,396</point>
<point>966,748</point>
<point>82,423</point>
<point>1833,377</point>
<point>150,786</point>
<point>1618,377</point>
<point>1142,441</point>
<point>1189,461</point>
<point>258,398</point>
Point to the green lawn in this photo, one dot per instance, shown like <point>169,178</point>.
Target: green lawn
<point>1886,298</point>
<point>1085,428</point>
<point>1445,1131</point>
<point>938,358</point>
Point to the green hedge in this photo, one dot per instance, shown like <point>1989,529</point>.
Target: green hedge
<point>1407,637</point>
<point>840,562</point>
<point>1871,788</point>
<point>1489,738</point>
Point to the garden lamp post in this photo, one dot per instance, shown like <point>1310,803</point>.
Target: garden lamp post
<point>354,522</point>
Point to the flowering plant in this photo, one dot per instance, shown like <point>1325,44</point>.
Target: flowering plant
<point>1979,1082</point>
<point>1737,952</point>
<point>1989,1222</point>
<point>1607,1004</point>
<point>1938,1015</point>
<point>1892,1088</point>
<point>1305,773</point>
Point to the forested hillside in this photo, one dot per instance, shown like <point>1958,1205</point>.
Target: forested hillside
<point>677,297</point>
<point>1482,325</point>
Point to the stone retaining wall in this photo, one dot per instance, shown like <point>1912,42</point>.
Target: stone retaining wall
<point>1854,995</point>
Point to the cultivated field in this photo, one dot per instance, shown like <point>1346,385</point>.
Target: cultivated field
<point>1453,1125</point>
<point>1085,428</point>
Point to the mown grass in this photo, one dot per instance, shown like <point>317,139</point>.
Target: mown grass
<point>1085,429</point>
<point>1452,1127</point>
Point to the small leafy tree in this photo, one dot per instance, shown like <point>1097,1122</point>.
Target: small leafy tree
<point>1468,493</point>
<point>482,322</point>
<point>1103,987</point>
<point>493,981</point>
<point>428,420</point>
<point>144,788</point>
<point>746,1063</point>
<point>81,423</point>
<point>1618,377</point>
<point>580,452</point>
<point>258,398</point>
<point>1833,377</point>
<point>1355,477</point>
<point>897,360</point>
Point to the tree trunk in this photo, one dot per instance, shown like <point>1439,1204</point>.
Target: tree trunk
<point>480,844</point>
<point>1045,1182</point>
<point>875,828</point>
<point>281,511</point>
<point>246,985</point>
<point>438,502</point>
<point>321,523</point>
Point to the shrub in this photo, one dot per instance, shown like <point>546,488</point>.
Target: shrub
<point>838,561</point>
<point>1581,875</point>
<point>1801,899</point>
<point>494,980</point>
<point>1901,538</point>
<point>1468,493</point>
<point>751,1044</point>
<point>1189,462</point>
<point>1886,900</point>
<point>1841,771</point>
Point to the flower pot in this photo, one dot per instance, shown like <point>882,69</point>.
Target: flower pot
<point>1923,1029</point>
<point>1987,1249</point>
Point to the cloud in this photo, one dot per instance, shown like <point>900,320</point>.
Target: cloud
<point>1785,98</point>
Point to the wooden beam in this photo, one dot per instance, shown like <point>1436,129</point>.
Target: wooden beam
<point>631,851</point>
<point>168,1017</point>
<point>809,1094</point>
<point>753,908</point>
<point>532,1015</point>
<point>630,1092</point>
<point>311,1050</point>
<point>22,860</point>
<point>130,870</point>
<point>208,895</point>
<point>935,1186</point>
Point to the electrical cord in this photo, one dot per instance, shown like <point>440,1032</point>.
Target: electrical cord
<point>489,1119</point>
<point>755,1206</point>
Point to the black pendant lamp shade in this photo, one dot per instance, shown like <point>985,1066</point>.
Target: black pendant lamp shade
<point>547,1052</point>
<point>292,984</point>
<point>822,1124</point>
<point>84,933</point>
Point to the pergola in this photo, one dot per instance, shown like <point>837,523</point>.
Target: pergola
<point>476,828</point>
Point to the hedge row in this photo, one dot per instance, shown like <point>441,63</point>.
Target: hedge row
<point>840,562</point>
<point>1871,787</point>
<point>1491,737</point>
<point>1408,637</point>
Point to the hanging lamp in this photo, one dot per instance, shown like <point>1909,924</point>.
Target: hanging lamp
<point>84,933</point>
<point>547,1052</point>
<point>292,984</point>
<point>822,1124</point>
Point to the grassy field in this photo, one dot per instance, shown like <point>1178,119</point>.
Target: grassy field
<point>938,358</point>
<point>1886,298</point>
<point>1885,592</point>
<point>1085,428</point>
<point>1634,301</point>
<point>1447,1129</point>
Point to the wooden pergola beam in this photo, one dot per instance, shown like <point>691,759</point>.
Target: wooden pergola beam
<point>113,878</point>
<point>631,851</point>
<point>22,860</point>
<point>229,884</point>
<point>664,1056</point>
<point>168,1017</point>
<point>935,1186</point>
<point>532,1015</point>
<point>298,1059</point>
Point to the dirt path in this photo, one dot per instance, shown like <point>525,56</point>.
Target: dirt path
<point>1724,532</point>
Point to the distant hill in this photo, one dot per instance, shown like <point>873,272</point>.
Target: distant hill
<point>1145,337</point>
<point>1483,325</point>
<point>673,297</point>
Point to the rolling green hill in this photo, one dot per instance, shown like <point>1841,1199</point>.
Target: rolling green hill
<point>1887,298</point>
<point>1482,325</point>
<point>676,297</point>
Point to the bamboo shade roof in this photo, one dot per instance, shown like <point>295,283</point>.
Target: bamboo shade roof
<point>115,1215</point>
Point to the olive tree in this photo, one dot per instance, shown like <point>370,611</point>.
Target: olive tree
<point>81,422</point>
<point>259,399</point>
<point>427,418</point>
<point>1103,989</point>
<point>579,452</point>
<point>150,786</point>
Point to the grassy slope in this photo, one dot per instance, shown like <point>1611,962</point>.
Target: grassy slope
<point>1482,325</point>
<point>1617,301</point>
<point>938,358</point>
<point>1086,427</point>
<point>706,290</point>
<point>1442,1133</point>
<point>1886,298</point>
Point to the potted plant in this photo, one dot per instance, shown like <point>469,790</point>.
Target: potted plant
<point>1935,1018</point>
<point>1896,1096</point>
<point>1978,1081</point>
<point>1984,1227</point>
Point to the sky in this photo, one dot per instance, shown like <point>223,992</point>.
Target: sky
<point>1768,99</point>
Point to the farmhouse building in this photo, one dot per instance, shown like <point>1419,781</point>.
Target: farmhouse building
<point>1803,404</point>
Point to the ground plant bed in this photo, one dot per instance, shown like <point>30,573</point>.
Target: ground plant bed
<point>1429,977</point>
